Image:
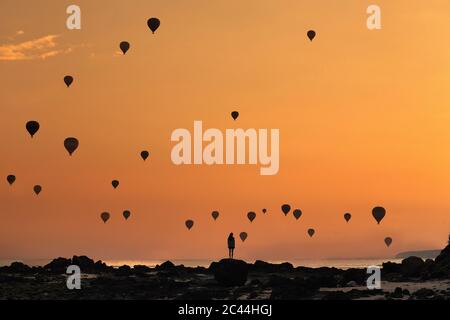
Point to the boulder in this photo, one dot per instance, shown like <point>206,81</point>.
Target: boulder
<point>18,267</point>
<point>391,267</point>
<point>231,272</point>
<point>124,270</point>
<point>359,276</point>
<point>100,267</point>
<point>443,259</point>
<point>58,265</point>
<point>141,269</point>
<point>424,293</point>
<point>86,264</point>
<point>168,265</point>
<point>262,266</point>
<point>412,267</point>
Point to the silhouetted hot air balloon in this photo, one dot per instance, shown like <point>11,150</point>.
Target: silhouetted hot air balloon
<point>311,35</point>
<point>37,189</point>
<point>235,115</point>
<point>126,214</point>
<point>105,216</point>
<point>285,208</point>
<point>297,213</point>
<point>124,46</point>
<point>115,183</point>
<point>378,213</point>
<point>11,179</point>
<point>311,232</point>
<point>251,216</point>
<point>388,241</point>
<point>68,80</point>
<point>71,144</point>
<point>347,217</point>
<point>264,210</point>
<point>144,155</point>
<point>153,24</point>
<point>189,224</point>
<point>215,214</point>
<point>32,127</point>
<point>243,236</point>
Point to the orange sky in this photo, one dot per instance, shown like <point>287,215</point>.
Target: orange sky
<point>363,118</point>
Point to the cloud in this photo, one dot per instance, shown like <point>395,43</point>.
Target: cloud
<point>41,48</point>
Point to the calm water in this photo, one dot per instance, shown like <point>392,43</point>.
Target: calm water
<point>338,263</point>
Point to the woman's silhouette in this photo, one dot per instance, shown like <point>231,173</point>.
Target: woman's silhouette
<point>231,245</point>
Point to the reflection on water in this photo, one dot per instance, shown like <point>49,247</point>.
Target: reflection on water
<point>337,263</point>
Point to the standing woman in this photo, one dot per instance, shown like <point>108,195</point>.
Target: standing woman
<point>231,245</point>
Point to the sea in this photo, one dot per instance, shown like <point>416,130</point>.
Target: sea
<point>311,263</point>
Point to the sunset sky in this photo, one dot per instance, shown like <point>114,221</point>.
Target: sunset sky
<point>364,119</point>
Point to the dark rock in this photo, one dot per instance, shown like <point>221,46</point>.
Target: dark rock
<point>100,267</point>
<point>58,265</point>
<point>391,267</point>
<point>424,293</point>
<point>141,269</point>
<point>443,259</point>
<point>124,270</point>
<point>255,282</point>
<point>200,270</point>
<point>277,281</point>
<point>18,267</point>
<point>86,264</point>
<point>412,266</point>
<point>289,289</point>
<point>231,272</point>
<point>168,265</point>
<point>337,295</point>
<point>398,293</point>
<point>357,275</point>
<point>262,266</point>
<point>405,292</point>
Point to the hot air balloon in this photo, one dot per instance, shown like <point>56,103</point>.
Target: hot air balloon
<point>115,183</point>
<point>347,217</point>
<point>264,210</point>
<point>378,213</point>
<point>126,214</point>
<point>37,189</point>
<point>235,115</point>
<point>311,232</point>
<point>11,179</point>
<point>105,216</point>
<point>153,24</point>
<point>243,236</point>
<point>68,80</point>
<point>32,127</point>
<point>71,144</point>
<point>388,241</point>
<point>297,213</point>
<point>285,208</point>
<point>215,214</point>
<point>144,155</point>
<point>124,46</point>
<point>251,216</point>
<point>189,224</point>
<point>311,35</point>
